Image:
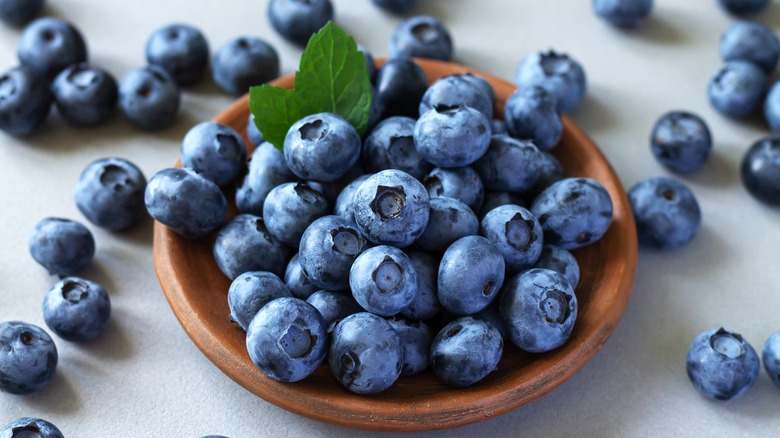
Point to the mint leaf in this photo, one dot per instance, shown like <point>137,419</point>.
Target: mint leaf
<point>275,110</point>
<point>333,77</point>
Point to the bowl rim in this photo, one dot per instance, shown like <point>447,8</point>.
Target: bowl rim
<point>480,402</point>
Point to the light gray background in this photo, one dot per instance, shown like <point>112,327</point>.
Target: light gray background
<point>145,378</point>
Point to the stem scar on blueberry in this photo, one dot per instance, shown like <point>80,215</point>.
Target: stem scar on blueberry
<point>27,338</point>
<point>488,288</point>
<point>346,241</point>
<point>74,291</point>
<point>555,306</point>
<point>389,202</point>
<point>388,275</point>
<point>519,232</point>
<point>314,131</point>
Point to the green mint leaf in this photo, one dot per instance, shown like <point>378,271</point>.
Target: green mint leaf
<point>333,78</point>
<point>275,110</point>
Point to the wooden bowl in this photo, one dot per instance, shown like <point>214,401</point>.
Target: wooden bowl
<point>197,292</point>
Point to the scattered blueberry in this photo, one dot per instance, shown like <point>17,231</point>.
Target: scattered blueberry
<point>761,170</point>
<point>327,251</point>
<point>333,306</point>
<point>27,427</point>
<point>298,20</point>
<point>421,37</point>
<point>62,246</point>
<point>452,136</point>
<point>509,164</point>
<point>531,114</point>
<point>297,281</point>
<point>250,291</point>
<point>743,7</point>
<point>681,141</point>
<point>28,358</point>
<point>391,208</point>
<point>736,89</point>
<point>244,245</point>
<point>76,309</point>
<point>457,90</point>
<point>400,85</point>
<point>425,304</point>
<point>181,50</point>
<point>186,202</point>
<point>561,261</point>
<point>538,308</point>
<point>517,235</point>
<point>623,13</point>
<point>244,62</point>
<point>110,193</point>
<point>266,170</point>
<point>666,212</point>
<point>461,183</point>
<point>416,338</point>
<point>287,339</point>
<point>449,220</point>
<point>365,354</point>
<point>289,209</point>
<point>471,273</point>
<point>465,351</point>
<point>321,147</point>
<point>395,6</point>
<point>574,212</point>
<point>25,101</point>
<point>721,364</point>
<point>149,98</point>
<point>215,151</point>
<point>771,357</point>
<point>383,280</point>
<point>20,12</point>
<point>253,132</point>
<point>48,45</point>
<point>85,95</point>
<point>752,42</point>
<point>391,146</point>
<point>560,75</point>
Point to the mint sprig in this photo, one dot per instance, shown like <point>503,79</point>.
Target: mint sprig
<point>332,77</point>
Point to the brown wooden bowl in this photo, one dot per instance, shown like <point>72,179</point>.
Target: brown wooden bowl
<point>197,292</point>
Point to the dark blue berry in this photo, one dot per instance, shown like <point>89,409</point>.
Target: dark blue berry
<point>20,12</point>
<point>562,77</point>
<point>215,151</point>
<point>76,309</point>
<point>471,273</point>
<point>149,98</point>
<point>383,280</point>
<point>298,20</point>
<point>110,193</point>
<point>62,246</point>
<point>30,428</point>
<point>666,212</point>
<point>465,351</point>
<point>181,50</point>
<point>85,95</point>
<point>48,45</point>
<point>28,358</point>
<point>681,141</point>
<point>244,62</point>
<point>321,147</point>
<point>25,101</point>
<point>761,170</point>
<point>327,251</point>
<point>250,291</point>
<point>244,245</point>
<point>721,364</point>
<point>421,37</point>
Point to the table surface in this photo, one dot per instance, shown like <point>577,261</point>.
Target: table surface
<point>144,377</point>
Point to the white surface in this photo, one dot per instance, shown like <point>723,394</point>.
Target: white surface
<point>145,378</point>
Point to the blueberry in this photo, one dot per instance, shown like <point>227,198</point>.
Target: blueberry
<point>244,62</point>
<point>509,164</point>
<point>395,6</point>
<point>465,351</point>
<point>333,306</point>
<point>492,315</point>
<point>771,357</point>
<point>416,338</point>
<point>449,220</point>
<point>391,208</point>
<point>76,309</point>
<point>421,37</point>
<point>110,193</point>
<point>461,183</point>
<point>752,42</point>
<point>391,146</point>
<point>25,101</point>
<point>383,280</point>
<point>20,12</point>
<point>538,308</point>
<point>181,50</point>
<point>496,199</point>
<point>666,212</point>
<point>244,245</point>
<point>721,364</point>
<point>62,246</point>
<point>623,13</point>
<point>31,428</point>
<point>681,141</point>
<point>253,132</point>
<point>149,98</point>
<point>289,209</point>
<point>743,7</point>
<point>28,358</point>
<point>772,107</point>
<point>333,189</point>
<point>327,251</point>
<point>215,151</point>
<point>266,170</point>
<point>48,45</point>
<point>550,172</point>
<point>250,291</point>
<point>345,203</point>
<point>560,75</point>
<point>471,273</point>
<point>297,281</point>
<point>574,212</point>
<point>186,202</point>
<point>287,339</point>
<point>85,95</point>
<point>561,261</point>
<point>736,89</point>
<point>425,304</point>
<point>457,90</point>
<point>761,170</point>
<point>531,114</point>
<point>481,83</point>
<point>365,354</point>
<point>298,20</point>
<point>321,147</point>
<point>370,63</point>
<point>452,136</point>
<point>400,85</point>
<point>497,127</point>
<point>516,233</point>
